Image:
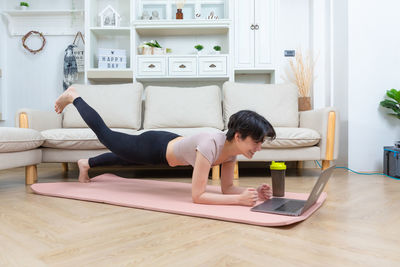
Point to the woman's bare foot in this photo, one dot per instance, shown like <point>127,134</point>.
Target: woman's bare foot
<point>84,167</point>
<point>64,99</point>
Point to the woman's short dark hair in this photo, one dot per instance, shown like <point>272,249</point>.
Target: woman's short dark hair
<point>249,123</point>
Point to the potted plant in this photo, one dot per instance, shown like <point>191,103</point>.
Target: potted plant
<point>155,48</point>
<point>199,48</point>
<point>392,104</point>
<point>23,5</point>
<point>217,49</point>
<point>302,75</point>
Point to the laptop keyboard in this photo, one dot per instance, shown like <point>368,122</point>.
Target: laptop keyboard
<point>291,206</point>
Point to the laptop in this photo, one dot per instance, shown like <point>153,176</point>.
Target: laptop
<point>295,207</point>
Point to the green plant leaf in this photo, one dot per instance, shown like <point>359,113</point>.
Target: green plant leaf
<point>394,94</point>
<point>390,104</point>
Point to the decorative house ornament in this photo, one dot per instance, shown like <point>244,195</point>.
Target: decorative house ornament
<point>109,17</point>
<point>112,58</point>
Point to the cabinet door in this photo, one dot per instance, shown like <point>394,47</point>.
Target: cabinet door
<point>244,35</point>
<point>264,19</point>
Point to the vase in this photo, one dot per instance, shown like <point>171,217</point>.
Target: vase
<point>179,14</point>
<point>304,103</point>
<point>158,51</point>
<point>147,50</point>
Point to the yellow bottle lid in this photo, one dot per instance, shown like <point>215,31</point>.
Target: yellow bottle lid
<point>277,166</point>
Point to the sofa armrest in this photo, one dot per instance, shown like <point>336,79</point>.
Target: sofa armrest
<point>37,119</point>
<point>326,122</point>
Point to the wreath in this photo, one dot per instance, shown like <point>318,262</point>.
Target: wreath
<point>26,36</point>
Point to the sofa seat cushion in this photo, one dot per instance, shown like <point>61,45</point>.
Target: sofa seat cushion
<point>185,131</point>
<point>288,137</point>
<point>19,139</point>
<point>183,107</point>
<point>76,138</point>
<point>119,105</point>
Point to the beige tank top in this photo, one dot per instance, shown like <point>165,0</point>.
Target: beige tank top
<point>208,144</point>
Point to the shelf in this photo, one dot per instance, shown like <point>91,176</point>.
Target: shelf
<point>255,71</point>
<point>181,78</point>
<point>184,55</point>
<point>23,13</point>
<point>181,27</point>
<point>48,22</point>
<point>110,74</point>
<point>110,31</point>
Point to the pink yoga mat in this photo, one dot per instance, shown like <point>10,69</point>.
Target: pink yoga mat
<point>171,197</point>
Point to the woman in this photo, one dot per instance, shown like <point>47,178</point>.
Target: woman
<point>246,133</point>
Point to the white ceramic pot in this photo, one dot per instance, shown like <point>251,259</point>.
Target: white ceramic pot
<point>158,51</point>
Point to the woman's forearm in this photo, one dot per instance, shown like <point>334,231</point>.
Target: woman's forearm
<point>217,199</point>
<point>233,190</point>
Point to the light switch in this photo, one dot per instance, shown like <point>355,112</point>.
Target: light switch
<point>290,53</point>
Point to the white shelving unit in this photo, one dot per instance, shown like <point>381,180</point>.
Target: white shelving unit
<point>255,38</point>
<point>108,37</point>
<point>198,26</point>
<point>185,27</point>
<point>183,64</point>
<point>48,22</point>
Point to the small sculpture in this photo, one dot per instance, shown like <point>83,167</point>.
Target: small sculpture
<point>145,15</point>
<point>155,15</point>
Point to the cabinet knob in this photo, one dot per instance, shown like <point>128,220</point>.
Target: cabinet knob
<point>256,27</point>
<point>212,66</point>
<point>252,27</point>
<point>151,66</point>
<point>182,66</point>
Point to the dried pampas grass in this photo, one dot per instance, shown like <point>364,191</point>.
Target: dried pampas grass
<point>180,4</point>
<point>301,73</point>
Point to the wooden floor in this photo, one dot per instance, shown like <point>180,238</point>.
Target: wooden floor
<point>358,225</point>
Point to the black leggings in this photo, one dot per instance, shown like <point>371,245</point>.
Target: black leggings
<point>147,148</point>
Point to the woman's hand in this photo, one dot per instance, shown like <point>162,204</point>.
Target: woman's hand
<point>264,192</point>
<point>248,197</point>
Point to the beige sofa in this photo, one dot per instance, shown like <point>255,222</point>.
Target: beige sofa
<point>20,147</point>
<point>310,135</point>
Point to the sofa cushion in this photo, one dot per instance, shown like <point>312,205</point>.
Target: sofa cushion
<point>179,107</point>
<point>278,103</point>
<point>185,131</point>
<point>288,137</point>
<point>118,104</point>
<point>19,139</point>
<point>76,138</point>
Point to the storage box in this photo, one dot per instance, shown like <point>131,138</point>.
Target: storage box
<point>111,58</point>
<point>391,162</point>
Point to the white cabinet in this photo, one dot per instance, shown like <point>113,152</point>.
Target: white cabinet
<point>152,66</point>
<point>212,66</point>
<point>254,33</point>
<point>182,66</point>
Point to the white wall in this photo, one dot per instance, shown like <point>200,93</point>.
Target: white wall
<point>340,74</point>
<point>293,31</point>
<point>3,49</point>
<point>31,81</point>
<point>374,61</point>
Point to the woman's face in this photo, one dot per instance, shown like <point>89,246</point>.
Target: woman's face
<point>248,146</point>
